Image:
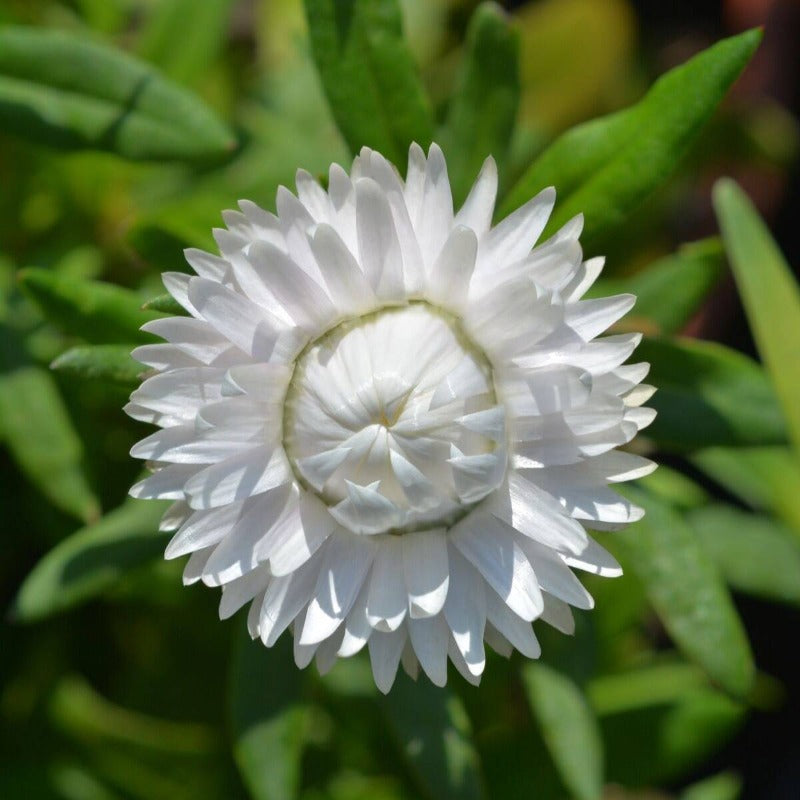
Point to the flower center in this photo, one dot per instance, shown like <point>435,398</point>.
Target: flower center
<point>393,421</point>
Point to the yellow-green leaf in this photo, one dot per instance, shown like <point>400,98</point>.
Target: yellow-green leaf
<point>769,292</point>
<point>605,168</point>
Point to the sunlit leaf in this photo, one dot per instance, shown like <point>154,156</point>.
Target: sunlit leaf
<point>63,90</point>
<point>568,727</point>
<point>605,168</point>
<point>98,312</point>
<point>183,37</point>
<point>709,395</point>
<point>770,294</point>
<point>92,560</point>
<point>687,592</point>
<point>671,289</point>
<point>725,786</point>
<point>482,111</point>
<point>269,717</point>
<point>40,435</point>
<point>166,304</point>
<point>103,362</point>
<point>756,554</point>
<point>433,731</point>
<point>675,488</point>
<point>764,477</point>
<point>369,75</point>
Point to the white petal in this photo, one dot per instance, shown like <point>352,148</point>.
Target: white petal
<point>302,530</point>
<point>203,529</point>
<point>357,628</point>
<point>345,562</point>
<point>426,572</point>
<point>248,473</point>
<point>285,598</point>
<point>366,510</point>
<point>449,276</point>
<point>595,559</point>
<point>166,484</point>
<point>554,575</point>
<point>387,601</point>
<point>435,216</point>
<point>465,611</point>
<point>385,650</point>
<point>429,638</point>
<point>242,590</point>
<point>534,513</point>
<point>518,632</point>
<point>378,244</point>
<point>491,548</point>
<point>589,318</point>
<point>476,213</point>
<point>207,265</point>
<point>513,238</point>
<point>346,283</point>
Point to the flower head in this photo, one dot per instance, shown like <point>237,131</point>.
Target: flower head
<point>387,424</point>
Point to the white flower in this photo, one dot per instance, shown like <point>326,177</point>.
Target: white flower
<point>387,424</point>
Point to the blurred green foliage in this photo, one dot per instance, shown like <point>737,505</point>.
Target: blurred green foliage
<point>127,126</point>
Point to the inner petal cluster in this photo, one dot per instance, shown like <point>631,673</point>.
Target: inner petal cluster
<point>385,420</point>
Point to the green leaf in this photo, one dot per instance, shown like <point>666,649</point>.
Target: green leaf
<point>433,731</point>
<point>483,109</point>
<point>754,553</point>
<point>660,721</point>
<point>709,395</point>
<point>685,278</point>
<point>675,488</point>
<point>59,89</point>
<point>769,292</point>
<point>104,362</point>
<point>92,560</point>
<point>78,709</point>
<point>184,38</point>
<point>98,312</point>
<point>43,442</point>
<point>369,75</point>
<point>605,168</point>
<point>687,592</point>
<point>166,304</point>
<point>269,717</point>
<point>725,786</point>
<point>764,477</point>
<point>568,727</point>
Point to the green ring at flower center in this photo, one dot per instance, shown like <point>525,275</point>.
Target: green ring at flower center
<point>384,420</point>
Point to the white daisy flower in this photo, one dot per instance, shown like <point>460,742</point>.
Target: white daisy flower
<point>386,424</point>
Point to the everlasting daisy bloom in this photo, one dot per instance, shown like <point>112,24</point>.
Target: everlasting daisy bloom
<point>390,425</point>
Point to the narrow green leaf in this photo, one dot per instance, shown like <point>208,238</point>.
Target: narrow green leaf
<point>183,38</point>
<point>660,721</point>
<point>92,560</point>
<point>483,109</point>
<point>687,592</point>
<point>769,292</point>
<point>605,168</point>
<point>432,728</point>
<point>62,90</point>
<point>568,727</point>
<point>104,362</point>
<point>725,786</point>
<point>754,553</point>
<point>43,442</point>
<point>685,277</point>
<point>764,477</point>
<point>269,716</point>
<point>369,75</point>
<point>98,312</point>
<point>79,710</point>
<point>166,304</point>
<point>709,395</point>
